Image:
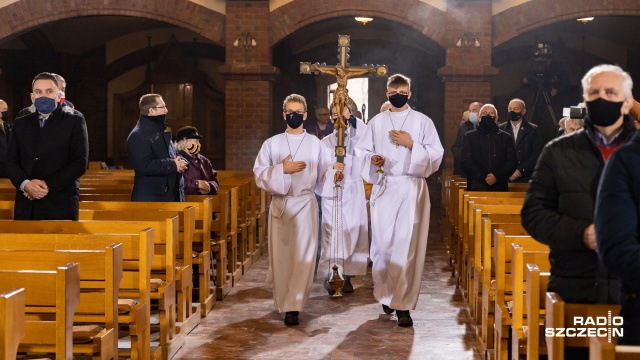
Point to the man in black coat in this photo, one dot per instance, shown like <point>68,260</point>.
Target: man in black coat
<point>5,136</point>
<point>558,209</point>
<point>617,223</point>
<point>158,167</point>
<point>527,139</point>
<point>48,152</point>
<point>466,126</point>
<point>488,154</point>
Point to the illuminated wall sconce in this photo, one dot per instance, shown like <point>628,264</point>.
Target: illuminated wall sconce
<point>468,40</point>
<point>246,40</point>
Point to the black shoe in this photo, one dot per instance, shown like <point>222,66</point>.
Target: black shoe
<point>327,286</point>
<point>291,318</point>
<point>404,319</point>
<point>387,310</point>
<point>347,287</point>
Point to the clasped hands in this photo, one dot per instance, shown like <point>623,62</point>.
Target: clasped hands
<point>181,164</point>
<point>203,187</point>
<point>35,189</point>
<point>401,137</point>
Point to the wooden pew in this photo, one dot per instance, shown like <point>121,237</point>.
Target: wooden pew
<point>502,286</point>
<point>12,322</point>
<point>471,218</point>
<point>485,273</point>
<point>51,298</point>
<point>529,287</point>
<point>162,266</point>
<point>226,229</point>
<point>602,349</point>
<point>188,315</point>
<point>561,315</point>
<point>135,284</point>
<point>485,223</point>
<point>100,275</point>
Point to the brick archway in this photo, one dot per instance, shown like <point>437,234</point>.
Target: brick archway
<point>297,14</point>
<point>25,14</point>
<point>535,14</point>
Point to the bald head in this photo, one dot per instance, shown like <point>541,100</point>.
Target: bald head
<point>4,115</point>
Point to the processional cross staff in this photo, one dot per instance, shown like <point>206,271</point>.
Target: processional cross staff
<point>342,72</point>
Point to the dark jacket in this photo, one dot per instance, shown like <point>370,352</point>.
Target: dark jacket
<point>5,137</point>
<point>152,155</point>
<point>528,147</point>
<point>57,153</point>
<point>200,168</point>
<point>617,215</point>
<point>485,153</point>
<point>559,206</point>
<point>456,149</point>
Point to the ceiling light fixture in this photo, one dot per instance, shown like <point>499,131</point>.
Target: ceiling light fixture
<point>585,20</point>
<point>363,20</point>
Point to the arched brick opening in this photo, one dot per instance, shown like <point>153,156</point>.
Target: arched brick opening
<point>25,14</point>
<point>535,14</point>
<point>297,14</point>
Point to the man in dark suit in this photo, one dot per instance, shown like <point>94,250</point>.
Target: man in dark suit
<point>5,135</point>
<point>469,124</point>
<point>157,164</point>
<point>48,152</point>
<point>527,139</point>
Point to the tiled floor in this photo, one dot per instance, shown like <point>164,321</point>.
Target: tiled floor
<point>245,325</point>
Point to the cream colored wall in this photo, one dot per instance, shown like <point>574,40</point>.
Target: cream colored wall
<point>502,5</point>
<point>215,5</point>
<point>498,5</point>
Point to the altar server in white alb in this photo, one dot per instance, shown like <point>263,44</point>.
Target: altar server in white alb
<point>404,144</point>
<point>352,247</point>
<point>287,167</point>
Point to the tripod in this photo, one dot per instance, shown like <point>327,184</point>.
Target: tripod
<point>539,94</point>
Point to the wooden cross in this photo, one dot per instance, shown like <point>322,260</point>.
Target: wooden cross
<point>342,72</point>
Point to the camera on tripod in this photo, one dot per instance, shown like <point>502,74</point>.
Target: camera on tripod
<point>541,60</point>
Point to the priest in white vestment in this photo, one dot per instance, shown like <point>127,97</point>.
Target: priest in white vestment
<point>405,146</point>
<point>287,167</point>
<point>351,248</point>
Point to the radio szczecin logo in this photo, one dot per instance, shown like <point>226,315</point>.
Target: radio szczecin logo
<point>590,326</point>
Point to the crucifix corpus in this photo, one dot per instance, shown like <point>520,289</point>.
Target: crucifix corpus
<point>342,72</point>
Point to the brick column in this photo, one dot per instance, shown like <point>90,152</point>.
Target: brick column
<point>249,75</point>
<point>467,73</point>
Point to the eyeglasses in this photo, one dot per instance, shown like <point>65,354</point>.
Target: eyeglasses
<point>158,107</point>
<point>289,112</point>
<point>484,113</point>
<point>394,93</point>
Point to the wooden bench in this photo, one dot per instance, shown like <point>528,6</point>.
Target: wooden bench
<point>602,349</point>
<point>100,275</point>
<point>188,314</point>
<point>162,265</point>
<point>502,287</point>
<point>12,322</point>
<point>529,287</point>
<point>562,315</point>
<point>51,298</point>
<point>136,266</point>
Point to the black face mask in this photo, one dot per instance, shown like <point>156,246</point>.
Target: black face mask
<point>159,119</point>
<point>294,120</point>
<point>398,100</point>
<point>515,116</point>
<point>488,123</point>
<point>604,112</point>
<point>5,116</point>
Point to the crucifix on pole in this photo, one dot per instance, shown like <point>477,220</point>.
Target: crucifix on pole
<point>342,71</point>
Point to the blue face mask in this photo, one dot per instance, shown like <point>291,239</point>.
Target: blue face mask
<point>473,117</point>
<point>45,105</point>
